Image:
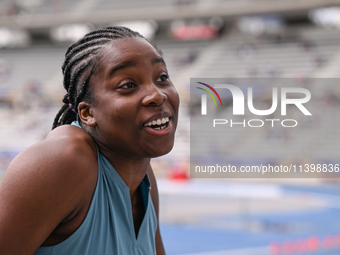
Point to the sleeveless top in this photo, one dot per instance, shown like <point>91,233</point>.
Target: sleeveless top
<point>108,226</point>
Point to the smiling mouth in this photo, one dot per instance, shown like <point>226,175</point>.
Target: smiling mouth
<point>158,124</point>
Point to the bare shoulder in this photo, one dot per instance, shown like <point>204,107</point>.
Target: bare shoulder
<point>67,150</point>
<point>43,186</point>
<point>73,135</point>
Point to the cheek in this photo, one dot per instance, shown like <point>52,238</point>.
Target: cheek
<point>112,106</point>
<point>122,112</point>
<point>174,98</point>
<point>109,112</point>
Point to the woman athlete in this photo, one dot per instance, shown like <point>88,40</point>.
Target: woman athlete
<point>88,188</point>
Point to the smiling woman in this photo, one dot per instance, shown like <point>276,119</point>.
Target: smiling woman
<point>88,188</point>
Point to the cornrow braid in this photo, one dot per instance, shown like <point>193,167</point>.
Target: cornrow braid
<point>67,79</point>
<point>79,66</point>
<point>74,80</point>
<point>79,49</point>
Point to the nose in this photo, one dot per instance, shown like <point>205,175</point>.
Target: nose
<point>154,96</point>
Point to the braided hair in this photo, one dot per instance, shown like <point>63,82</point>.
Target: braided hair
<point>80,64</point>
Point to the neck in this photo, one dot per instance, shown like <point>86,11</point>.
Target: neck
<point>131,170</point>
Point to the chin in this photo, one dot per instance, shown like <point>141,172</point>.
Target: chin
<point>162,150</point>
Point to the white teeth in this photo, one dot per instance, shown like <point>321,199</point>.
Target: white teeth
<point>160,128</point>
<point>158,122</point>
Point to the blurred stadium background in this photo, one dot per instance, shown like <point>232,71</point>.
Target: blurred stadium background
<point>199,38</point>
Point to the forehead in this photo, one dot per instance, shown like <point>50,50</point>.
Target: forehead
<point>124,49</point>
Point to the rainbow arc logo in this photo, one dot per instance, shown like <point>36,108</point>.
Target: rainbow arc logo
<point>204,97</point>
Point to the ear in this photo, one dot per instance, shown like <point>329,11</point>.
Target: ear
<point>86,114</point>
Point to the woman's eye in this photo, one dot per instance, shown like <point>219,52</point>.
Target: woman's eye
<point>163,77</point>
<point>128,85</point>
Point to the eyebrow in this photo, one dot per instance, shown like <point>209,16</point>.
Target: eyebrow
<point>128,64</point>
<point>158,60</point>
<point>122,66</point>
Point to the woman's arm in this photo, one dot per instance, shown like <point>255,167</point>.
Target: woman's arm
<point>42,186</point>
<point>154,195</point>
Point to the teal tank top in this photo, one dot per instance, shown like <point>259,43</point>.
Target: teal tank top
<point>108,226</point>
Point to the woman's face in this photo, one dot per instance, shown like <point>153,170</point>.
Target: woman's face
<point>136,104</point>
